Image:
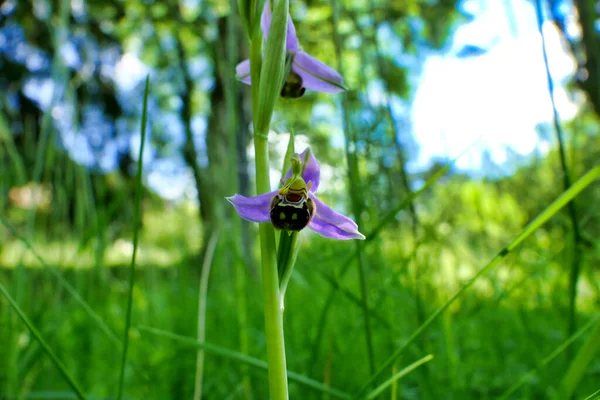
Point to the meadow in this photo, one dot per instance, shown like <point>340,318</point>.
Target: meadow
<point>125,273</point>
<point>507,335</point>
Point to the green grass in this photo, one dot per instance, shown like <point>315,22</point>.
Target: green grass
<point>493,289</point>
<point>46,348</point>
<point>136,228</point>
<point>463,289</point>
<point>490,339</point>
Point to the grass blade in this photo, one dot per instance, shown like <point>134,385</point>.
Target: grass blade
<point>398,375</point>
<point>202,299</point>
<point>542,218</point>
<point>63,282</point>
<point>136,223</point>
<point>254,362</point>
<point>409,199</point>
<point>580,363</point>
<point>333,282</point>
<point>390,216</point>
<point>15,159</point>
<point>594,396</point>
<point>406,201</point>
<point>59,73</point>
<point>549,358</point>
<point>576,261</point>
<point>356,192</point>
<point>43,343</point>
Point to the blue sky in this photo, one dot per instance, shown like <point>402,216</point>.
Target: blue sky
<point>494,99</point>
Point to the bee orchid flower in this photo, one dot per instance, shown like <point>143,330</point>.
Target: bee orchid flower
<point>304,71</point>
<point>295,205</point>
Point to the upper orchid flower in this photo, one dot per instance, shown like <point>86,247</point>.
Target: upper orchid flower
<point>295,205</point>
<point>305,71</point>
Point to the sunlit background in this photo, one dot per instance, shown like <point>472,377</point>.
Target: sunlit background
<point>451,96</point>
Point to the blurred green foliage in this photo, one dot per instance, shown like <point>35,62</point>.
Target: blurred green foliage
<point>79,221</point>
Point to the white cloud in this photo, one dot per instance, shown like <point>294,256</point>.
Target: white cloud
<point>501,95</point>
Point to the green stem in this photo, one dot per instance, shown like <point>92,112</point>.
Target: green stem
<point>38,336</point>
<point>202,300</point>
<point>286,259</point>
<point>136,230</point>
<point>355,193</point>
<point>239,265</point>
<point>544,362</point>
<point>273,312</point>
<point>576,259</point>
<point>278,387</point>
<point>255,363</point>
<point>542,218</point>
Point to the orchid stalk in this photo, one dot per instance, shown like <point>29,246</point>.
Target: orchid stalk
<point>268,78</point>
<point>282,69</point>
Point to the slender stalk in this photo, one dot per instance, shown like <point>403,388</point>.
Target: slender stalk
<point>580,363</point>
<point>373,234</point>
<point>273,313</point>
<point>542,218</point>
<point>546,360</point>
<point>593,396</point>
<point>242,358</point>
<point>288,252</point>
<point>354,185</point>
<point>394,379</point>
<point>576,261</point>
<point>265,89</point>
<point>37,335</point>
<point>287,247</point>
<point>316,342</point>
<point>239,265</point>
<point>58,74</point>
<point>63,283</point>
<point>339,286</point>
<point>394,128</point>
<point>202,298</point>
<point>394,390</point>
<point>136,223</point>
<point>587,11</point>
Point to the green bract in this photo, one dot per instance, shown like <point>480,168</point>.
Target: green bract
<point>273,68</point>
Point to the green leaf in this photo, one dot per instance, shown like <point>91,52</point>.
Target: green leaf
<point>394,76</point>
<point>273,68</point>
<point>136,225</point>
<point>234,355</point>
<point>244,9</point>
<point>580,364</point>
<point>64,283</point>
<point>398,375</point>
<point>542,218</point>
<point>563,346</point>
<point>38,336</point>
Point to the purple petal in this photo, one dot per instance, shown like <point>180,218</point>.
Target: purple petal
<point>255,209</point>
<point>331,224</point>
<point>316,75</point>
<point>312,171</point>
<point>242,71</point>
<point>291,43</point>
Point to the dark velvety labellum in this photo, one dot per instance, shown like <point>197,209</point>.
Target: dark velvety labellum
<point>292,88</point>
<point>291,217</point>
